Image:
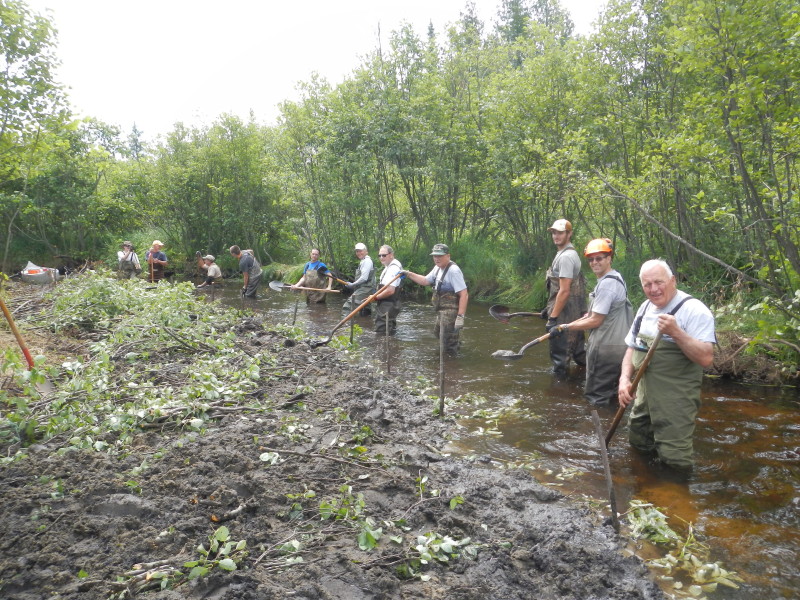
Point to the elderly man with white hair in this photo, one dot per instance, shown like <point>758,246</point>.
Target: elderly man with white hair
<point>667,400</point>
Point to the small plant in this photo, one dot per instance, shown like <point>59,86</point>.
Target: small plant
<point>346,506</point>
<point>687,557</point>
<point>222,553</point>
<point>433,547</point>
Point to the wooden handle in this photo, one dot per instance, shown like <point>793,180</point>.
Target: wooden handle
<point>17,335</point>
<point>621,411</point>
<point>363,304</point>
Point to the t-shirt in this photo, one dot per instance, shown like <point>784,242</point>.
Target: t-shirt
<point>157,255</point>
<point>365,269</point>
<point>453,280</point>
<point>693,317</point>
<point>566,264</point>
<point>214,271</point>
<point>607,292</point>
<point>391,270</point>
<point>314,266</point>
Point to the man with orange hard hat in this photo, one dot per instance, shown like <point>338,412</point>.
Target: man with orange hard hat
<point>609,319</point>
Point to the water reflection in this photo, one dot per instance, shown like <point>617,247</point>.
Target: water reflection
<point>743,499</point>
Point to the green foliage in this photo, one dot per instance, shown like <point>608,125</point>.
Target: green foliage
<point>687,557</point>
<point>103,400</point>
<point>432,548</point>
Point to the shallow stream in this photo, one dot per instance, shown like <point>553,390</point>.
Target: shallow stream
<point>743,499</point>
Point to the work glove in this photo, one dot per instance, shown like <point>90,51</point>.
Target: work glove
<point>459,324</point>
<point>558,330</point>
<point>244,291</point>
<point>550,325</point>
<point>198,253</point>
<point>543,314</point>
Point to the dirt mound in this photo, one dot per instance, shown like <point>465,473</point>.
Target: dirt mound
<point>337,487</point>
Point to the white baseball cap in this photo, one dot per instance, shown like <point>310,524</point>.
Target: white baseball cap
<point>360,246</point>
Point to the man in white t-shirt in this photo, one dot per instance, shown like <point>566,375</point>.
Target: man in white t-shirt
<point>450,296</point>
<point>667,400</point>
<point>388,300</point>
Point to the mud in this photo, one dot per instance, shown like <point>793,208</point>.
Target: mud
<point>87,525</point>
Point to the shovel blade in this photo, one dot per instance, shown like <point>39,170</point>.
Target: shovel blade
<point>506,355</point>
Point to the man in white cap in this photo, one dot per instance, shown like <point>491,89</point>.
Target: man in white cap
<point>566,288</point>
<point>211,268</point>
<point>157,261</point>
<point>450,296</point>
<point>363,284</point>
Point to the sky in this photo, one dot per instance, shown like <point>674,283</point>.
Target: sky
<point>157,62</point>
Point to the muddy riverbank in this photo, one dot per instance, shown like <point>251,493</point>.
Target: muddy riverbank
<point>336,479</point>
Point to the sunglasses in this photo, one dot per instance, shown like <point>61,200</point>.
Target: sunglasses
<point>383,255</point>
<point>592,259</point>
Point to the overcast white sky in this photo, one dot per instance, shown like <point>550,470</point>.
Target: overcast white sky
<point>156,62</point>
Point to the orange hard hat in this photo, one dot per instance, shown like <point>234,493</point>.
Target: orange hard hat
<point>599,245</point>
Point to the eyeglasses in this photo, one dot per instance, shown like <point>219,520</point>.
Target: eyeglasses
<point>383,255</point>
<point>592,259</point>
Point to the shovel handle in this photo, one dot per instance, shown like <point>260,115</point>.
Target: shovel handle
<point>363,304</point>
<point>534,342</point>
<point>17,335</point>
<point>634,385</point>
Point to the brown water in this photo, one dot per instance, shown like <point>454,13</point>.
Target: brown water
<point>743,499</point>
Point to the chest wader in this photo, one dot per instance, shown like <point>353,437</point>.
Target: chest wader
<point>390,306</point>
<point>158,271</point>
<point>564,347</point>
<point>314,279</point>
<point>127,270</point>
<point>361,293</point>
<point>254,277</point>
<point>604,353</point>
<point>667,401</point>
<point>446,305</point>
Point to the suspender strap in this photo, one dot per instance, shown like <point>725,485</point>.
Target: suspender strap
<point>637,322</point>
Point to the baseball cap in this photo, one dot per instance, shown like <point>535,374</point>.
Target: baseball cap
<point>560,225</point>
<point>158,242</point>
<point>360,246</point>
<point>209,257</point>
<point>440,250</point>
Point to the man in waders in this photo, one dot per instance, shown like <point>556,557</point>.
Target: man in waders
<point>363,284</point>
<point>314,277</point>
<point>566,289</point>
<point>388,301</point>
<point>157,260</point>
<point>129,266</point>
<point>450,296</point>
<point>211,270</point>
<point>248,265</point>
<point>609,319</point>
<point>668,397</point>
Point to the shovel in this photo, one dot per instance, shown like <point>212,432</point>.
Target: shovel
<point>346,291</point>
<point>355,312</point>
<point>279,285</point>
<point>42,388</point>
<point>500,312</point>
<point>634,385</point>
<point>509,355</point>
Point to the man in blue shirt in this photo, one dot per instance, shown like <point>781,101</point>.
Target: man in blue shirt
<point>314,277</point>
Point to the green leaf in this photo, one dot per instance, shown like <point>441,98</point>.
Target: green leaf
<point>227,564</point>
<point>222,534</point>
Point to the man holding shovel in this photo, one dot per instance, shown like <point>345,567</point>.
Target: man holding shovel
<point>313,277</point>
<point>363,284</point>
<point>450,296</point>
<point>388,300</point>
<point>609,319</point>
<point>566,288</point>
<point>668,397</point>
